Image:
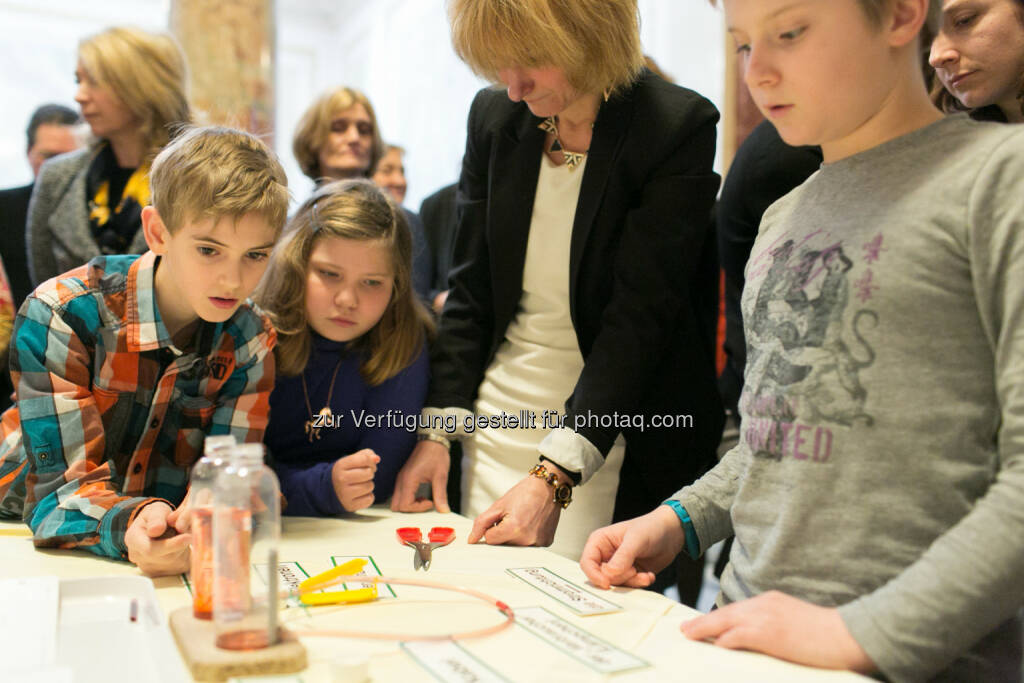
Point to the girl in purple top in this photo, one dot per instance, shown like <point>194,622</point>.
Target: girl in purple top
<point>351,355</point>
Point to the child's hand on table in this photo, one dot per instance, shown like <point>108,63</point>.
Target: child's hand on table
<point>181,517</point>
<point>630,553</point>
<point>154,545</point>
<point>353,479</point>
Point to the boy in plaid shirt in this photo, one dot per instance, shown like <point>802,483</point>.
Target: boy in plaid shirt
<point>124,365</point>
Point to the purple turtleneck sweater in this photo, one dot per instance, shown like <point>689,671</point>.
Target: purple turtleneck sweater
<point>304,467</point>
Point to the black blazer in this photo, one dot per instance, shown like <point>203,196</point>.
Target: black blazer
<point>439,222</point>
<point>13,217</point>
<point>643,274</point>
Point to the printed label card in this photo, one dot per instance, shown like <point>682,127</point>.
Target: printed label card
<point>569,594</point>
<point>450,662</point>
<point>596,653</point>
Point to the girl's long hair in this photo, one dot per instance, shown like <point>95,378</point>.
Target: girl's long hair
<point>354,210</point>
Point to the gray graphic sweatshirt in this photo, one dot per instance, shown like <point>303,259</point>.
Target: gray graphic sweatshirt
<point>881,458</point>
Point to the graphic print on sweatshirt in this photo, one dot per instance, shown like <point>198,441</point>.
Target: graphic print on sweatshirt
<point>808,337</point>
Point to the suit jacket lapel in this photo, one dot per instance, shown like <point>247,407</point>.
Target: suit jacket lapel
<point>515,166</point>
<point>69,222</point>
<point>607,139</point>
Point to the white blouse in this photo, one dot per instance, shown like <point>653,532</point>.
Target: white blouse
<point>535,370</point>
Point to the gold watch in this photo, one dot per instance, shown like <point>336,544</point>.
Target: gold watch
<point>563,491</point>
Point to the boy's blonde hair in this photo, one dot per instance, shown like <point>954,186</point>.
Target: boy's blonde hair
<point>595,42</point>
<point>315,125</point>
<point>354,210</point>
<point>215,171</point>
<point>147,72</point>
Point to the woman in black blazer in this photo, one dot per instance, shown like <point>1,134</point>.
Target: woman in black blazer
<point>641,290</point>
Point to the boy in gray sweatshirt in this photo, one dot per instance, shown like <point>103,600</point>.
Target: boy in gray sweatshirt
<point>877,493</point>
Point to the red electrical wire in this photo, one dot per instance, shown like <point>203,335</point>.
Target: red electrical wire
<point>510,616</point>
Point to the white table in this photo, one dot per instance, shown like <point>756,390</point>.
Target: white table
<point>647,626</point>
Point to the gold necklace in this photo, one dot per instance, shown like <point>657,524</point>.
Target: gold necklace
<point>313,432</point>
<point>572,159</point>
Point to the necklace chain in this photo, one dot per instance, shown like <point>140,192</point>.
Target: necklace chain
<point>572,159</point>
<point>313,432</point>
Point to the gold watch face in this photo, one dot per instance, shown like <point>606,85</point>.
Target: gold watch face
<point>563,495</point>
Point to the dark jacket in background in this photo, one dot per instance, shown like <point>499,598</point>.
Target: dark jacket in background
<point>13,214</point>
<point>765,168</point>
<point>439,223</point>
<point>13,218</point>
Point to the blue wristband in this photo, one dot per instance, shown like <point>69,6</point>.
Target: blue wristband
<point>692,542</point>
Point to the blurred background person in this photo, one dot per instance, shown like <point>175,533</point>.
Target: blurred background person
<point>978,56</point>
<point>51,131</point>
<point>438,214</point>
<point>131,90</point>
<point>390,172</point>
<point>338,138</point>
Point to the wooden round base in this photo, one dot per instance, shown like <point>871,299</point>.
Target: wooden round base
<point>207,662</point>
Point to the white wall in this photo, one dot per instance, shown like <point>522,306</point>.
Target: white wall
<point>397,51</point>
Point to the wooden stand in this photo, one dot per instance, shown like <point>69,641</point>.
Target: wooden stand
<point>207,662</point>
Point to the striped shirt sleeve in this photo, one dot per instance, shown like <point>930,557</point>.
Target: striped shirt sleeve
<point>71,500</point>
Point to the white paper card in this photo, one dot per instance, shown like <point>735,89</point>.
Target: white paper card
<point>450,663</point>
<point>596,653</point>
<point>289,574</point>
<point>565,592</point>
<point>31,603</point>
<point>371,569</point>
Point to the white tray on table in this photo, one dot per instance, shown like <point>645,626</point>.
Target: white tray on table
<point>96,638</point>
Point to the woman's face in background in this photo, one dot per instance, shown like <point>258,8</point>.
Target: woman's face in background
<point>346,151</point>
<point>103,110</point>
<point>978,54</point>
<point>390,174</point>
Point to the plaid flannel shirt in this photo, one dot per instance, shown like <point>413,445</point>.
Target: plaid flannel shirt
<point>110,415</point>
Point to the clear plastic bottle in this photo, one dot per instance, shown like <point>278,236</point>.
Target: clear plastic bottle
<point>215,455</point>
<point>246,531</point>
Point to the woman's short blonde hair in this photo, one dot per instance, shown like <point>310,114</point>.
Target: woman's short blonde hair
<point>315,124</point>
<point>354,210</point>
<point>595,42</point>
<point>147,72</point>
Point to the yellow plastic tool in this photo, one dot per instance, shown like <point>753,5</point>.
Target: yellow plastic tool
<point>348,569</point>
<point>16,532</point>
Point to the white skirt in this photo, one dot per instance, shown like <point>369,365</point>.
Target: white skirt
<point>495,460</point>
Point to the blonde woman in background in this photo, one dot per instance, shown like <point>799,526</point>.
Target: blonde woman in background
<point>131,90</point>
<point>338,139</point>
